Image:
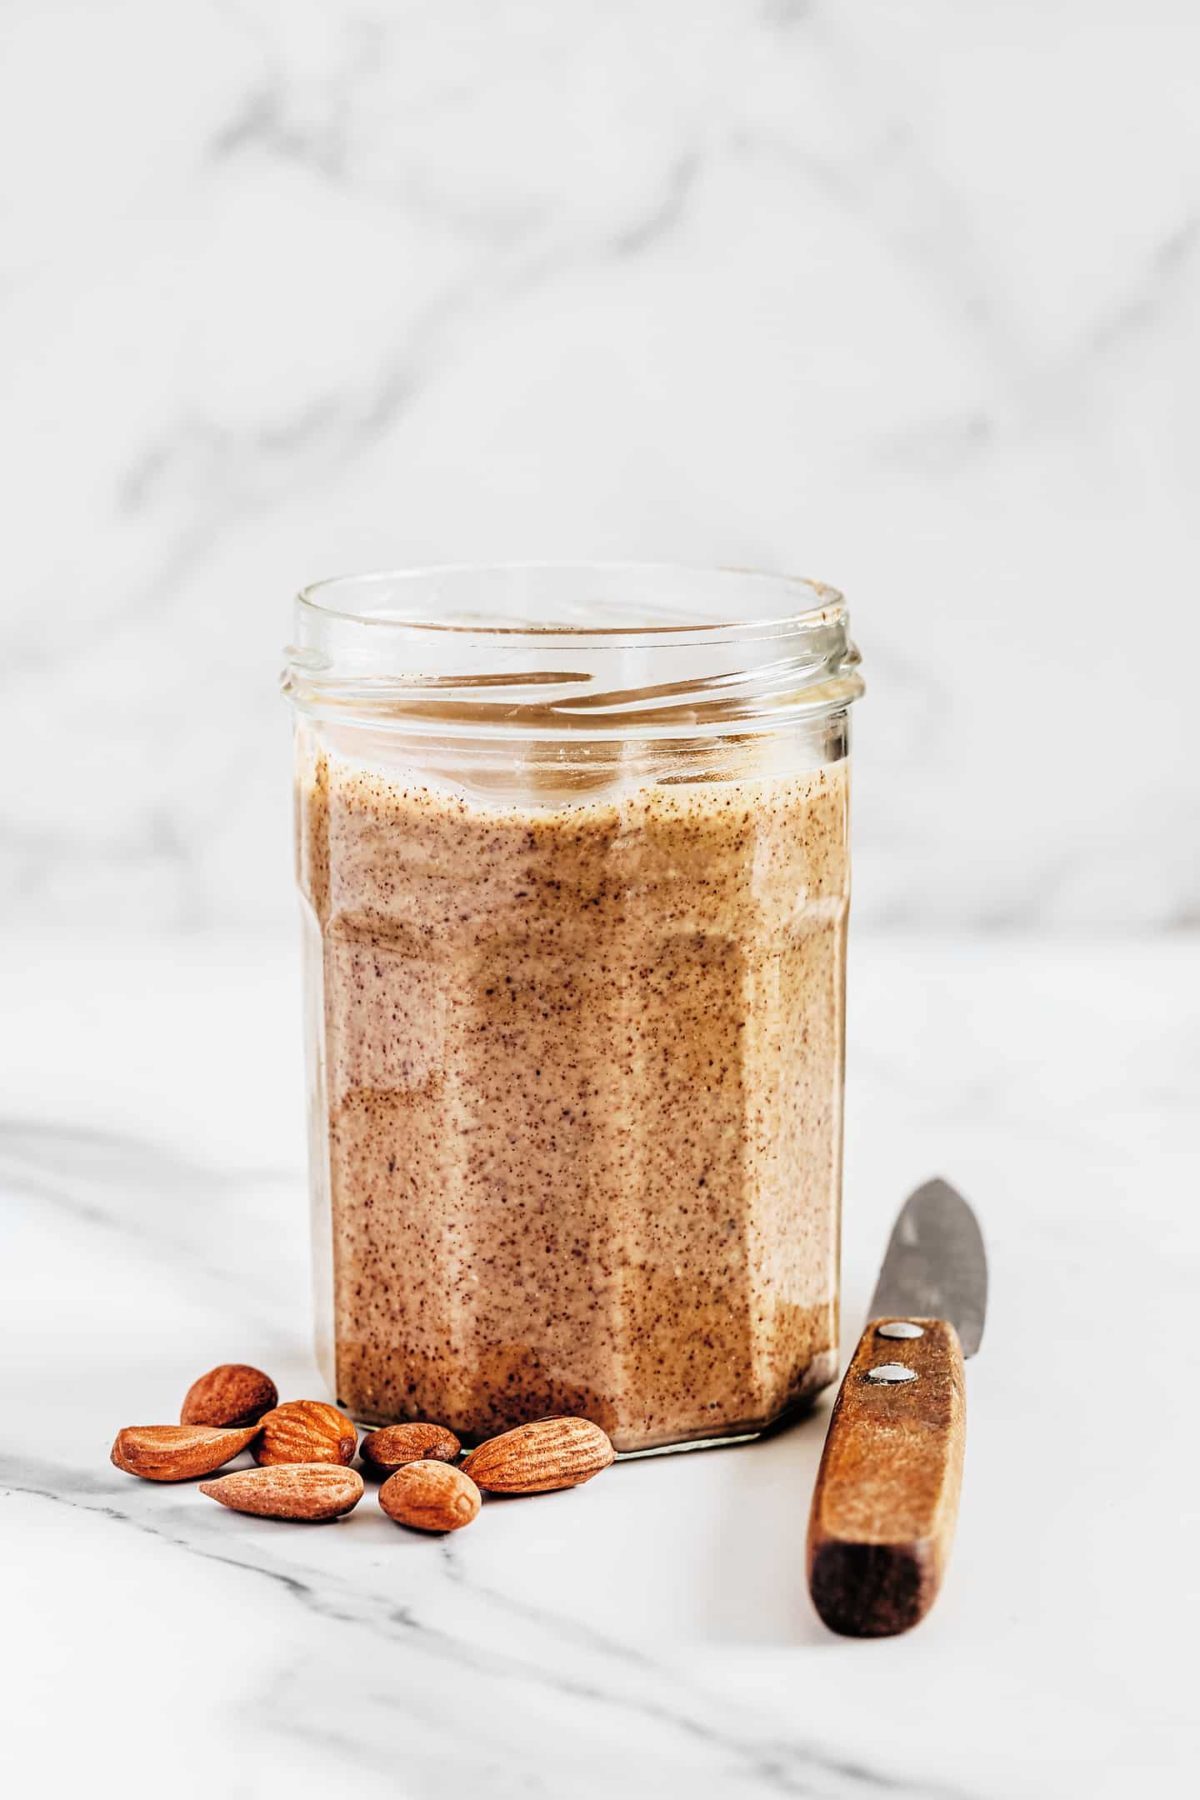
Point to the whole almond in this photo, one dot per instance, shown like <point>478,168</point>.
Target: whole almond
<point>310,1491</point>
<point>231,1394</point>
<point>177,1452</point>
<point>430,1496</point>
<point>305,1431</point>
<point>539,1458</point>
<point>394,1445</point>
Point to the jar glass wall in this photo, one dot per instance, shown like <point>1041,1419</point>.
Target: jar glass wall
<point>572,847</point>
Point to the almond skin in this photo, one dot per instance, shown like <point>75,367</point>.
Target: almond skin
<point>540,1458</point>
<point>393,1446</point>
<point>311,1491</point>
<point>231,1394</point>
<point>430,1496</point>
<point>305,1431</point>
<point>177,1452</point>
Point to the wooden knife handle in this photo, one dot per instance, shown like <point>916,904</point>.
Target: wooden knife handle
<point>886,1498</point>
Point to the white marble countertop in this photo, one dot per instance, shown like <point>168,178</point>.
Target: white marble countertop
<point>650,1634</point>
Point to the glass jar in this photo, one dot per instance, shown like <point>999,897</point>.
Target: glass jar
<point>572,846</point>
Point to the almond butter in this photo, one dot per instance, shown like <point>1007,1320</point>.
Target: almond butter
<point>177,1452</point>
<point>311,1491</point>
<point>392,1446</point>
<point>430,1496</point>
<point>231,1394</point>
<point>541,1457</point>
<point>305,1431</point>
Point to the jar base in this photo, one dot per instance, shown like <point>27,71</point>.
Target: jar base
<point>820,1374</point>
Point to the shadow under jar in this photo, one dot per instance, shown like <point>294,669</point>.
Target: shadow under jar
<point>572,846</point>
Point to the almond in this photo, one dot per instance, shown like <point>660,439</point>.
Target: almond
<point>231,1394</point>
<point>305,1431</point>
<point>394,1445</point>
<point>430,1496</point>
<point>292,1491</point>
<point>177,1452</point>
<point>538,1458</point>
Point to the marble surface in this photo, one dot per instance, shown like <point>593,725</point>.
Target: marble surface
<point>900,296</point>
<point>649,1635</point>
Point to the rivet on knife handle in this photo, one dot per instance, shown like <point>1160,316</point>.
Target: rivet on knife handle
<point>886,1498</point>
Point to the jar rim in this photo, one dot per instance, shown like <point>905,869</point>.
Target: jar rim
<point>549,648</point>
<point>814,602</point>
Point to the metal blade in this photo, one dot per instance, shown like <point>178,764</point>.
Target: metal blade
<point>935,1267</point>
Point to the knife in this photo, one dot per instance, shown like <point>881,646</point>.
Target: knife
<point>886,1498</point>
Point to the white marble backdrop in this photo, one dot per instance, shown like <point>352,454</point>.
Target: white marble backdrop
<point>900,295</point>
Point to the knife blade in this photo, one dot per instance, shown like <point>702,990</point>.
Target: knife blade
<point>886,1497</point>
<point>936,1265</point>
